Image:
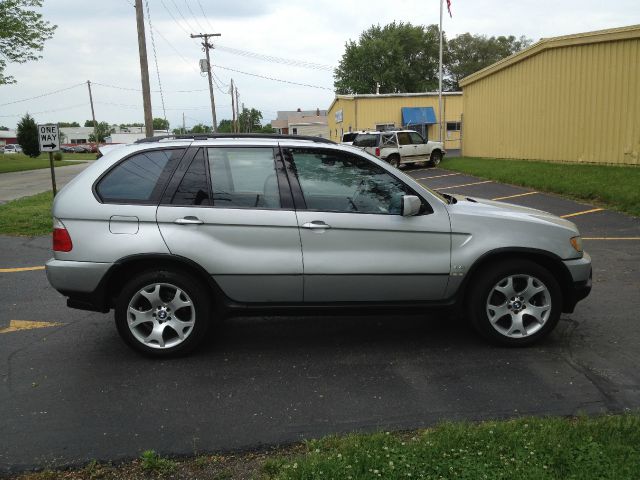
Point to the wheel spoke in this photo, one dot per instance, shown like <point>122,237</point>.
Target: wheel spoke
<point>140,317</point>
<point>517,325</point>
<point>507,290</point>
<point>156,334</point>
<point>179,327</point>
<point>154,296</point>
<point>177,302</point>
<point>498,312</point>
<point>539,313</point>
<point>531,290</point>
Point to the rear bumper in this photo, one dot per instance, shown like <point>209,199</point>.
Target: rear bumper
<point>81,282</point>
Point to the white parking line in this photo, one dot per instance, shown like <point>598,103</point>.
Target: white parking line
<point>438,176</point>
<point>465,185</point>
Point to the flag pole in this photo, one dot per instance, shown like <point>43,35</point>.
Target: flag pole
<point>440,76</point>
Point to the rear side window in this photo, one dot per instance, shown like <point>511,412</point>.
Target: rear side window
<point>140,178</point>
<point>194,187</point>
<point>244,178</point>
<point>366,140</point>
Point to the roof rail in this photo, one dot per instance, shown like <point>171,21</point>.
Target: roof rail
<point>207,136</point>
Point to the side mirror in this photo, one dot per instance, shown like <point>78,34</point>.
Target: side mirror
<point>410,205</point>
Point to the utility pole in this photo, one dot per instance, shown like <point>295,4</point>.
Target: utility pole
<point>144,71</point>
<point>184,130</point>
<point>206,46</point>
<point>237,111</point>
<point>233,107</point>
<point>93,115</point>
<point>440,119</point>
<point>239,117</point>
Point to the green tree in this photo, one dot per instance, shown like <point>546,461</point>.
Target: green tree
<point>103,130</point>
<point>267,129</point>
<point>3,128</point>
<point>68,124</point>
<point>469,53</point>
<point>225,126</point>
<point>88,123</point>
<point>27,136</point>
<point>160,124</point>
<point>22,33</point>
<point>400,56</point>
<point>200,128</point>
<point>249,120</point>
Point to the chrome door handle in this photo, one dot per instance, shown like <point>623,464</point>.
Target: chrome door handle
<point>316,225</point>
<point>190,220</point>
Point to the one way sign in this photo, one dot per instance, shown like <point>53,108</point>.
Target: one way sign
<point>48,138</point>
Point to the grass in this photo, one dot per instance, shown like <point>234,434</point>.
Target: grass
<point>583,448</point>
<point>27,216</point>
<point>19,162</point>
<point>616,187</point>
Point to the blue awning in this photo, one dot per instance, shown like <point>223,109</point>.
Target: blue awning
<point>418,116</point>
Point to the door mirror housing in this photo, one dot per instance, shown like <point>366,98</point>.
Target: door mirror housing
<point>410,205</point>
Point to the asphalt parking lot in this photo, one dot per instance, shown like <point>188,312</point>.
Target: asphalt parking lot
<point>71,391</point>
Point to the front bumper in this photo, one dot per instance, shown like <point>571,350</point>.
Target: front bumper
<point>582,274</point>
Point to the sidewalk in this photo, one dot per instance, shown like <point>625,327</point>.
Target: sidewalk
<point>21,184</point>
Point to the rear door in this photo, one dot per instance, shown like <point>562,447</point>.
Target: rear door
<point>408,150</point>
<point>230,210</point>
<point>356,244</point>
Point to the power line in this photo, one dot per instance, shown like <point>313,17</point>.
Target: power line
<point>43,94</point>
<point>155,57</point>
<point>182,16</point>
<point>274,79</point>
<point>205,17</point>
<point>176,50</point>
<point>154,91</point>
<point>46,111</point>
<point>194,17</point>
<point>273,59</point>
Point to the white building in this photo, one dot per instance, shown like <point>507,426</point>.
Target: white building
<point>302,122</point>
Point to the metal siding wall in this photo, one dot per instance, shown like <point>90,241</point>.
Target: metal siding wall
<point>573,103</point>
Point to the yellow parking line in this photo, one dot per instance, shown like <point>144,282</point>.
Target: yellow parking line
<point>610,238</point>
<point>514,196</point>
<point>17,325</point>
<point>593,210</point>
<point>438,176</point>
<point>20,269</point>
<point>465,185</point>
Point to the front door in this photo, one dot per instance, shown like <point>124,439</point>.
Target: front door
<point>356,244</point>
<point>422,154</point>
<point>231,213</point>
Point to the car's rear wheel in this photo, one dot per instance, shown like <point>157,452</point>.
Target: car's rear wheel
<point>515,303</point>
<point>162,313</point>
<point>394,160</point>
<point>435,158</point>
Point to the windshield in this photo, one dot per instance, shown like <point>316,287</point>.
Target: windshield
<point>366,140</point>
<point>348,137</point>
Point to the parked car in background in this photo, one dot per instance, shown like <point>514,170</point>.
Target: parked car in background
<point>349,137</point>
<point>172,233</point>
<point>400,147</point>
<point>11,149</point>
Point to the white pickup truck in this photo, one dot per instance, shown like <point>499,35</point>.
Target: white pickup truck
<point>400,147</point>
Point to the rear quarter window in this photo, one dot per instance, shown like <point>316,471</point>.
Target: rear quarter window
<point>140,178</point>
<point>366,140</point>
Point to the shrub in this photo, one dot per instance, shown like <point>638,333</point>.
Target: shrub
<point>57,156</point>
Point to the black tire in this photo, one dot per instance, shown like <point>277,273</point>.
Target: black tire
<point>200,306</point>
<point>479,303</point>
<point>394,160</point>
<point>435,158</point>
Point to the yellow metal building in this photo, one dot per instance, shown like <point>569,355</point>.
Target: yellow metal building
<point>349,113</point>
<point>574,98</point>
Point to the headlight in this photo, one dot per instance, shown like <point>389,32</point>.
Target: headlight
<point>576,243</point>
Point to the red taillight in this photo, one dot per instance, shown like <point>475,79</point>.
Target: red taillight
<point>377,151</point>
<point>61,238</point>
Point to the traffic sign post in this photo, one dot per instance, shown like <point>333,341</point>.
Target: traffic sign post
<point>49,140</point>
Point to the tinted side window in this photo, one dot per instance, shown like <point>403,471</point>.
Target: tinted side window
<point>416,138</point>
<point>194,187</point>
<point>338,182</point>
<point>244,178</point>
<point>140,178</point>
<point>404,138</point>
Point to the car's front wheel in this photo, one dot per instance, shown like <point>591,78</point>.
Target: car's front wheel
<point>515,303</point>
<point>394,160</point>
<point>162,313</point>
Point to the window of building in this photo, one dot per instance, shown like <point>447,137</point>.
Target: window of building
<point>453,126</point>
<point>294,131</point>
<point>381,127</point>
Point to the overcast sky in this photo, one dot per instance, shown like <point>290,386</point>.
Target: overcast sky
<point>97,41</point>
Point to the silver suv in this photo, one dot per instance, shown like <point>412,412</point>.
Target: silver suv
<point>174,233</point>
